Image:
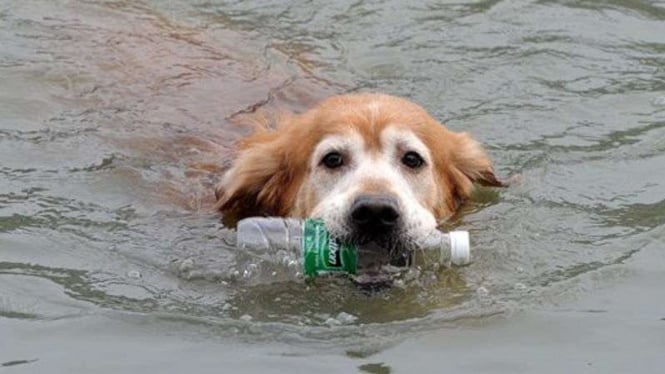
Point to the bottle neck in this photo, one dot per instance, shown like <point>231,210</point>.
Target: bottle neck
<point>436,240</point>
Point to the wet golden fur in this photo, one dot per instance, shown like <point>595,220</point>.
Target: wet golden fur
<point>270,173</point>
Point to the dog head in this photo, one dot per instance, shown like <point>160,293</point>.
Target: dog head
<point>374,168</point>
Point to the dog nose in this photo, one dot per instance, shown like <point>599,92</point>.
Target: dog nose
<point>375,214</point>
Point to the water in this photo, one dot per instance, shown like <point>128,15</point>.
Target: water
<point>116,118</point>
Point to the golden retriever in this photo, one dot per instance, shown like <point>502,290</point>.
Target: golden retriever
<point>373,167</point>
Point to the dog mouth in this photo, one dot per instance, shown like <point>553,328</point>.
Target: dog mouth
<point>381,256</point>
<point>380,260</point>
<point>372,255</point>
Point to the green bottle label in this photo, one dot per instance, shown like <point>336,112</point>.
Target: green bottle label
<point>325,254</point>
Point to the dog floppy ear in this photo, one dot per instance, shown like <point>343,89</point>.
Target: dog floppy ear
<point>469,165</point>
<point>261,181</point>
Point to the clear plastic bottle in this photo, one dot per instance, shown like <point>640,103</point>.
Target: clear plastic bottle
<point>286,248</point>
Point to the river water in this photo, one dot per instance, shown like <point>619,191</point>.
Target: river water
<point>116,118</point>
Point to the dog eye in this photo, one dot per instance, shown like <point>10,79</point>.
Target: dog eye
<point>333,160</point>
<point>413,160</point>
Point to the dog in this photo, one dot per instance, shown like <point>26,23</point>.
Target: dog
<point>374,168</point>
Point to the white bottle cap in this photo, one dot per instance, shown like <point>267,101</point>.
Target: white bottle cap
<point>460,250</point>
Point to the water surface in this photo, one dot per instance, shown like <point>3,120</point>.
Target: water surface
<point>116,118</point>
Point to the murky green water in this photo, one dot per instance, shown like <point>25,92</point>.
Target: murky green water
<point>116,116</point>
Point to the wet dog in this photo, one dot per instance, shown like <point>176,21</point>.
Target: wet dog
<point>375,168</point>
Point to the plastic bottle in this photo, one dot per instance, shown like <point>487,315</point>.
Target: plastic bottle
<point>287,248</point>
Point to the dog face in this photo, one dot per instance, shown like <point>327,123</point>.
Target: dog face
<point>373,191</point>
<point>375,168</point>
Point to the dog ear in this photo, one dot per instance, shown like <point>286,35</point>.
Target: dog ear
<point>469,165</point>
<point>261,180</point>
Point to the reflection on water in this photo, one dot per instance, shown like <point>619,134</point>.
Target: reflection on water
<point>117,117</point>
